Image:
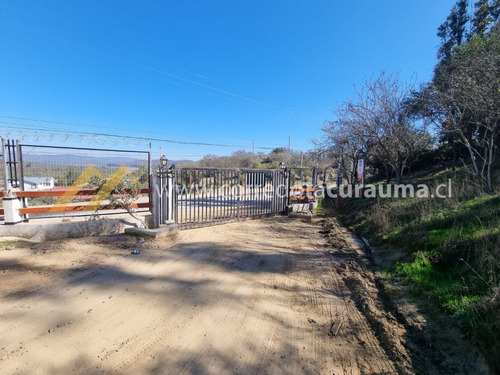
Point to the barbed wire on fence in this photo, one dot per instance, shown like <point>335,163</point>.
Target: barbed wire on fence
<point>33,133</point>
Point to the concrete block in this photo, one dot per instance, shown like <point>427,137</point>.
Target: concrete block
<point>161,232</point>
<point>300,215</point>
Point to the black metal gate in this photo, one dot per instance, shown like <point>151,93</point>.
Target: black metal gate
<point>207,196</point>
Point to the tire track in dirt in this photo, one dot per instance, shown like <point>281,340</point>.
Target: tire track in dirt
<point>410,348</point>
<point>181,319</point>
<point>250,297</point>
<point>345,309</point>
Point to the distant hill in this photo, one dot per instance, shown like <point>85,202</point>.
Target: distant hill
<point>83,160</point>
<point>79,160</point>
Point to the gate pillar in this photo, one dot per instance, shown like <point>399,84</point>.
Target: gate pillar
<point>163,197</point>
<point>11,205</point>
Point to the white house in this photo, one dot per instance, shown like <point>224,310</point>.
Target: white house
<point>39,183</point>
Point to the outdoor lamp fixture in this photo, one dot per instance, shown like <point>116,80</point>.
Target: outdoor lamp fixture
<point>282,165</point>
<point>162,167</point>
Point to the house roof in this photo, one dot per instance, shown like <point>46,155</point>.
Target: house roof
<point>37,180</point>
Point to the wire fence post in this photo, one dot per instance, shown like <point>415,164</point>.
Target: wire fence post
<point>150,171</point>
<point>21,177</point>
<point>13,165</point>
<point>6,185</point>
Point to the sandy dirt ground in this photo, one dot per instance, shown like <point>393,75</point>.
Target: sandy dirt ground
<point>270,296</point>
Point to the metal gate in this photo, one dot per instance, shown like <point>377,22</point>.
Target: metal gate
<point>205,196</point>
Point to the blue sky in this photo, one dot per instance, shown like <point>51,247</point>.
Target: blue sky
<point>223,72</point>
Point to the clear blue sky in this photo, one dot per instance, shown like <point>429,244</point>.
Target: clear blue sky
<point>204,71</point>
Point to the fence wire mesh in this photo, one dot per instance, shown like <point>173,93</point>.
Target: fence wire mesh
<point>53,168</point>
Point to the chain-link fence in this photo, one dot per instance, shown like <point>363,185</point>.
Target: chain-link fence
<point>62,166</point>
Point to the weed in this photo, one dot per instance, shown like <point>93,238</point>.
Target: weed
<point>9,243</point>
<point>444,250</point>
<point>320,206</point>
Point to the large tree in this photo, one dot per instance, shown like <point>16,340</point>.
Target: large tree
<point>465,101</point>
<point>482,18</point>
<point>452,32</point>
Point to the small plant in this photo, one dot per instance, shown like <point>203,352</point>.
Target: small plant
<point>9,243</point>
<point>124,195</point>
<point>320,207</point>
<point>87,229</point>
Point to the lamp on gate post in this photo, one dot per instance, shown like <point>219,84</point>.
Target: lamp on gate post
<point>163,170</point>
<point>162,167</point>
<point>282,165</point>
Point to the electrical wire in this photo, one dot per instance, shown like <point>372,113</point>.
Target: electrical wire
<point>119,128</point>
<point>155,70</point>
<point>32,128</point>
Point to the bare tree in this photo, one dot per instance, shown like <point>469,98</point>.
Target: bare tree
<point>377,121</point>
<point>344,146</point>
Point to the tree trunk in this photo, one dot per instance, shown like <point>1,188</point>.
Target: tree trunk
<point>388,174</point>
<point>399,175</point>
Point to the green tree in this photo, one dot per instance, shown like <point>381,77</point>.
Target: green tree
<point>71,175</point>
<point>452,31</point>
<point>465,101</point>
<point>481,19</point>
<point>495,12</point>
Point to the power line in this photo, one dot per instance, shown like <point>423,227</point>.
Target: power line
<point>146,67</point>
<point>117,128</point>
<point>31,128</point>
<point>66,31</point>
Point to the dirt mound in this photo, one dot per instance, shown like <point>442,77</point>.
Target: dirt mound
<point>404,333</point>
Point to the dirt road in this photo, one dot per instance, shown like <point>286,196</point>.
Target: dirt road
<point>253,297</point>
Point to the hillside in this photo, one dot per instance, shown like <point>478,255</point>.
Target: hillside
<point>443,254</point>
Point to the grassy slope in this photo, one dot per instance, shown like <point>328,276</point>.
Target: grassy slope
<point>446,251</point>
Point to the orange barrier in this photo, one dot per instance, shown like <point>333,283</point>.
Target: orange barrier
<point>66,208</point>
<point>305,194</point>
<point>59,193</point>
<point>70,208</point>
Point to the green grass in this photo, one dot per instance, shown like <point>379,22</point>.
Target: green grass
<point>320,207</point>
<point>11,243</point>
<point>446,251</point>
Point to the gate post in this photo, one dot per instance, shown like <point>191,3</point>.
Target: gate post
<point>11,205</point>
<point>169,197</point>
<point>163,197</point>
<point>284,187</point>
<point>6,184</point>
<point>156,199</point>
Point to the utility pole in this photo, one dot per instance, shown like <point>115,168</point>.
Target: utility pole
<point>300,159</point>
<point>289,142</point>
<point>253,146</point>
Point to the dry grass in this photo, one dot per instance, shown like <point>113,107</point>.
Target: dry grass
<point>448,251</point>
